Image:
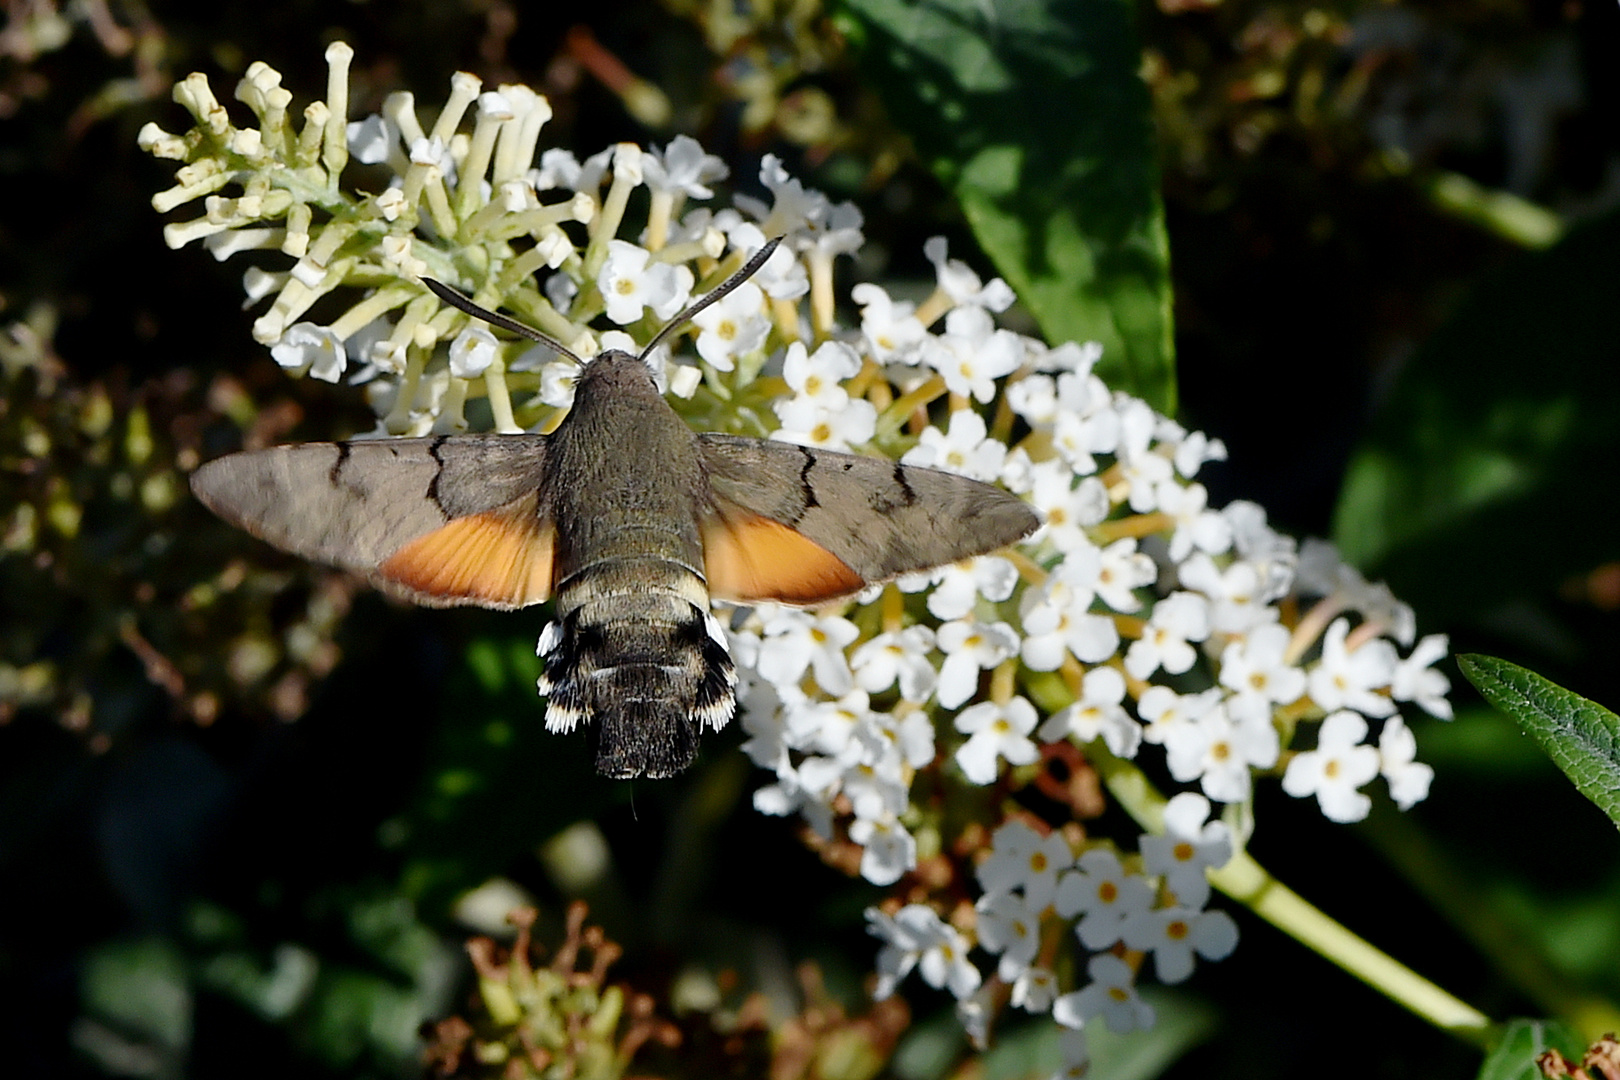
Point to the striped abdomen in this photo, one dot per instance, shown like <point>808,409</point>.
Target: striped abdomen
<point>635,652</point>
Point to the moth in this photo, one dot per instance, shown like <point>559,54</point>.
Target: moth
<point>629,520</point>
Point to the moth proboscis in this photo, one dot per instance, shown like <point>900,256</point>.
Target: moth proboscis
<point>629,520</point>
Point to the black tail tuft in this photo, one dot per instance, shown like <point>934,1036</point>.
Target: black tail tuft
<point>644,738</point>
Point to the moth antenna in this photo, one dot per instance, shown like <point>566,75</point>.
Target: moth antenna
<point>461,302</point>
<point>748,270</point>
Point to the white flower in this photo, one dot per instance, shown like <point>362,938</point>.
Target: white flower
<point>995,732</point>
<point>794,640</point>
<point>630,283</point>
<point>1172,935</point>
<point>970,646</point>
<point>972,353</point>
<point>306,346</point>
<point>965,448</point>
<point>808,423</point>
<point>1078,435</point>
<point>888,850</point>
<point>1221,746</point>
<point>1415,680</point>
<point>1257,664</point>
<point>1167,712</point>
<point>732,326</point>
<point>1121,570</point>
<point>891,329</point>
<point>1408,778</point>
<point>1098,712</point>
<point>472,351</point>
<point>961,284</point>
<point>816,376</point>
<point>1190,847</point>
<point>1021,858</point>
<point>961,584</point>
<point>905,935</point>
<point>1034,989</point>
<point>1196,525</point>
<point>1350,679</point>
<point>897,657</point>
<point>807,790</point>
<point>1176,620</point>
<point>1068,509</point>
<point>1240,596</point>
<point>371,139</point>
<point>682,167</point>
<point>1056,620</point>
<point>1111,995</point>
<point>783,276</point>
<point>1334,771</point>
<point>1010,927</point>
<point>829,727</point>
<point>1104,895</point>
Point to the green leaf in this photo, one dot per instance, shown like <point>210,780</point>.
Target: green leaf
<point>1492,458</point>
<point>1032,113</point>
<point>1514,1057</point>
<point>1581,736</point>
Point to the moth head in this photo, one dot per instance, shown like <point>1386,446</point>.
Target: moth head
<point>615,358</point>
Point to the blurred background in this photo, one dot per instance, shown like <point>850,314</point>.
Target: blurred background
<point>249,811</point>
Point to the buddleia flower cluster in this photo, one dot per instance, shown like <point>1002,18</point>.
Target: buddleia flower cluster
<point>1138,632</point>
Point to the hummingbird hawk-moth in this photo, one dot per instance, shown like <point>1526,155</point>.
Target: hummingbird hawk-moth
<point>630,520</point>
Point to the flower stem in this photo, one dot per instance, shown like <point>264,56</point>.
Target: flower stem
<point>1252,885</point>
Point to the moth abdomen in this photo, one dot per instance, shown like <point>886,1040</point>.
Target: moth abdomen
<point>644,665</point>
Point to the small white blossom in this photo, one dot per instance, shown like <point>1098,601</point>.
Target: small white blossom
<point>1190,847</point>
<point>1067,509</point>
<point>472,351</point>
<point>1111,994</point>
<point>1010,927</point>
<point>1336,769</point>
<point>315,349</point>
<point>1175,622</point>
<point>682,167</point>
<point>1258,664</point>
<point>888,850</point>
<point>1173,935</point>
<point>1408,778</point>
<point>1350,679</point>
<point>961,284</point>
<point>630,282</point>
<point>891,329</point>
<point>732,326</point>
<point>1239,596</point>
<point>794,640</point>
<point>1221,746</point>
<point>1104,895</point>
<point>808,423</point>
<point>995,732</point>
<point>1415,680</point>
<point>1034,990</point>
<point>959,585</point>
<point>1196,525</point>
<point>969,647</point>
<point>965,448</point>
<point>1169,715</point>
<point>972,353</point>
<point>1021,858</point>
<point>898,657</point>
<point>1097,713</point>
<point>816,377</point>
